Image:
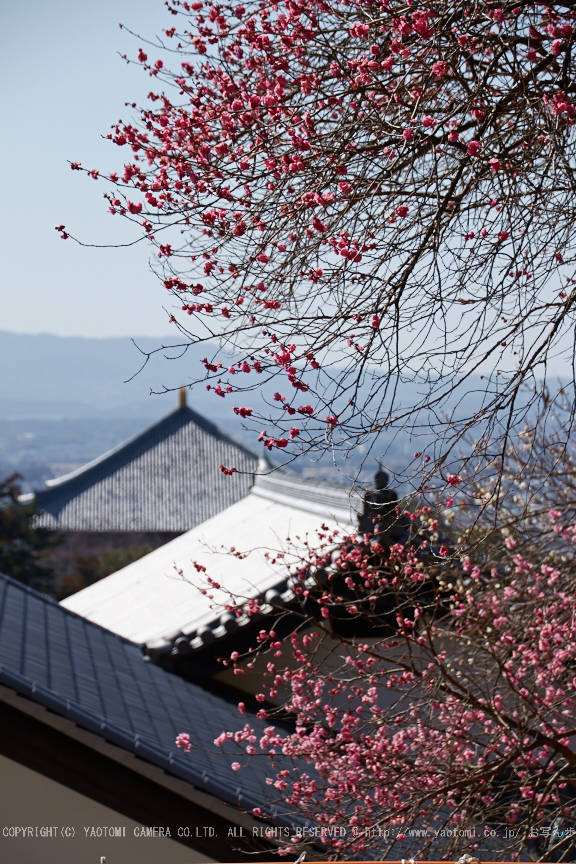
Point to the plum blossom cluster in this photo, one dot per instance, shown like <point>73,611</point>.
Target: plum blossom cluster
<point>319,178</point>
<point>425,696</point>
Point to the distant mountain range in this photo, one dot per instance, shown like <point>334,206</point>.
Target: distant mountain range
<point>66,400</point>
<point>55,377</point>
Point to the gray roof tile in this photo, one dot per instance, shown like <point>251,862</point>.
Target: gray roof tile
<point>101,682</point>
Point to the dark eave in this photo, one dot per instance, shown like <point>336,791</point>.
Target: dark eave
<point>58,748</point>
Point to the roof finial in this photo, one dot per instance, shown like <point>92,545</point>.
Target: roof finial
<point>182,397</point>
<point>381,478</point>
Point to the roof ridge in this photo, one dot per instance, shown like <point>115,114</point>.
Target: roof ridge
<point>266,468</point>
<point>328,499</point>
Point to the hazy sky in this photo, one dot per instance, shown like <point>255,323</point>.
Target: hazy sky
<point>63,85</point>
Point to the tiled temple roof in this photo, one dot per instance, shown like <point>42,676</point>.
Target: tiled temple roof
<point>166,479</point>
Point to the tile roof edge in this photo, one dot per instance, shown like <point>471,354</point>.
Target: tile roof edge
<point>132,742</point>
<point>50,601</point>
<point>160,645</point>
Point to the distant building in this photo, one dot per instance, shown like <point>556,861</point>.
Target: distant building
<point>147,491</point>
<point>166,479</point>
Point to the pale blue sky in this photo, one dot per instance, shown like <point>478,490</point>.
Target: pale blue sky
<point>63,85</point>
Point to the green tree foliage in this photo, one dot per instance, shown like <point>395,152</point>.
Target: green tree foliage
<point>22,546</point>
<point>87,569</point>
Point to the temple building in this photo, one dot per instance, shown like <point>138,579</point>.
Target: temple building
<point>143,493</point>
<point>179,601</point>
<point>165,480</point>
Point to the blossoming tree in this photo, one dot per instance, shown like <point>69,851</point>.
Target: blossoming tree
<point>450,726</point>
<point>350,195</point>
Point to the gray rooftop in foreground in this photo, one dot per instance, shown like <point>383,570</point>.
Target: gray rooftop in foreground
<point>101,682</point>
<point>166,479</point>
